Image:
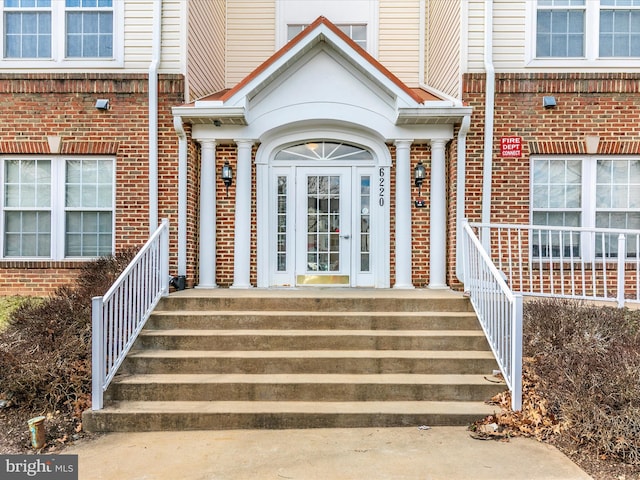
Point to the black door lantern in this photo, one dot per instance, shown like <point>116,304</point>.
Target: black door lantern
<point>227,175</point>
<point>419,174</point>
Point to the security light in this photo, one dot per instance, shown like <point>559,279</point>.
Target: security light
<point>549,102</point>
<point>102,104</point>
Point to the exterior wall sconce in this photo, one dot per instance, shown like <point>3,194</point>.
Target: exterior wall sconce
<point>419,174</point>
<point>102,104</point>
<point>226,174</point>
<point>549,102</point>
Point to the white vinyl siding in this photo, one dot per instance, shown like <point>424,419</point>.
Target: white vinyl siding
<point>508,35</point>
<point>475,48</point>
<point>206,48</point>
<point>443,47</point>
<point>509,20</point>
<point>138,26</point>
<point>250,37</point>
<point>399,38</point>
<point>138,36</point>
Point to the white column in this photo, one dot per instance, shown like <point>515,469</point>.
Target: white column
<point>207,252</point>
<point>242,240</point>
<point>438,220</point>
<point>403,214</point>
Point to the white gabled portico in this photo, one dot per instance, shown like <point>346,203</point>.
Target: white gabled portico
<point>322,116</point>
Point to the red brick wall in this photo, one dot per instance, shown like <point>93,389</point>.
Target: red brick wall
<point>225,223</point>
<point>193,210</point>
<point>34,106</point>
<point>420,220</point>
<point>452,205</point>
<point>605,105</point>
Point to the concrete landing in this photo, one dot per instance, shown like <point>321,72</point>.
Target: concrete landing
<point>440,453</point>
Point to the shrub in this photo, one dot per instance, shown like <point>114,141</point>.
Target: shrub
<point>45,351</point>
<point>587,358</point>
<point>7,306</point>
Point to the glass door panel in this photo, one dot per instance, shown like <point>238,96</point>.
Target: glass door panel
<point>325,211</point>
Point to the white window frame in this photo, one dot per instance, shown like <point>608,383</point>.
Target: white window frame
<point>591,57</point>
<point>57,207</point>
<point>341,13</point>
<point>587,208</point>
<point>58,43</point>
<point>342,26</point>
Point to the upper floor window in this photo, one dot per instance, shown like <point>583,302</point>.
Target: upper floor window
<point>27,27</point>
<point>357,33</point>
<point>61,31</point>
<point>602,31</point>
<point>89,28</point>
<point>358,19</point>
<point>620,28</point>
<point>561,25</point>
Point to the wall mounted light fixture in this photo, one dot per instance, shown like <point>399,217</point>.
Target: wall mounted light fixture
<point>549,101</point>
<point>226,174</point>
<point>419,174</point>
<point>102,104</point>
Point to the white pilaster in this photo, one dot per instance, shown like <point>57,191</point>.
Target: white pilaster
<point>242,240</point>
<point>438,220</point>
<point>403,214</point>
<point>207,252</point>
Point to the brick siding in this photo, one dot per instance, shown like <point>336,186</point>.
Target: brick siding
<point>602,105</point>
<point>37,106</point>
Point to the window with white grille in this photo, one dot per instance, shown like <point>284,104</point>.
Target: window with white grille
<point>57,208</point>
<point>601,192</point>
<point>62,32</point>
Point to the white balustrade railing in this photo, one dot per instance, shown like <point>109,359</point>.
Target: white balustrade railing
<point>499,311</point>
<point>119,315</point>
<point>567,262</point>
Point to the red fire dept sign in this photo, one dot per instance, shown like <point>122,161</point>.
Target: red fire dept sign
<point>511,146</point>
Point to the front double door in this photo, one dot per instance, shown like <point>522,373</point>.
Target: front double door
<point>327,237</point>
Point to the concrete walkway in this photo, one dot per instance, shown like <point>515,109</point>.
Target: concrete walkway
<point>446,453</point>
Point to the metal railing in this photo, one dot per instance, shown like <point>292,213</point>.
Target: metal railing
<point>568,262</point>
<point>499,311</point>
<point>119,315</point>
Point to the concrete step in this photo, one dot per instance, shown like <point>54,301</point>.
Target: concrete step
<point>305,387</point>
<point>316,301</point>
<point>312,339</point>
<point>285,320</point>
<point>311,361</point>
<point>302,359</point>
<point>167,416</point>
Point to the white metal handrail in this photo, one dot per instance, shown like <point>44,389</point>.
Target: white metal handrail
<point>499,311</point>
<point>567,262</point>
<point>118,316</point>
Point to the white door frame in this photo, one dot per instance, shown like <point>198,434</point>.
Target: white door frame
<point>267,171</point>
<point>336,267</point>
